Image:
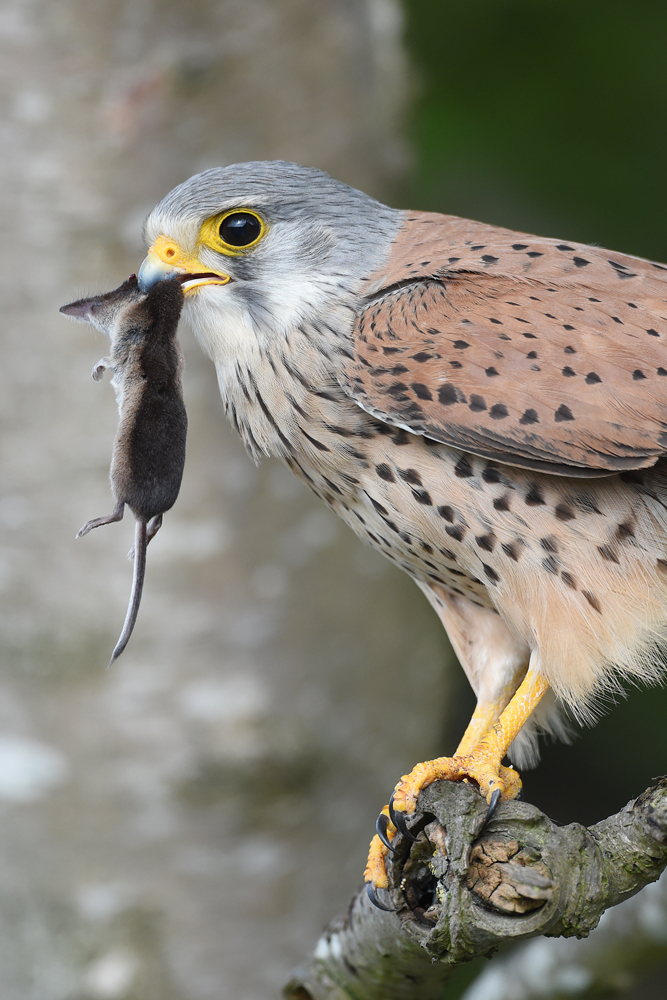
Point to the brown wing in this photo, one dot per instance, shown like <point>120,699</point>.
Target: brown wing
<point>535,353</point>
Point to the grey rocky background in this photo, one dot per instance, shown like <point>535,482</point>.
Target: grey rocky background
<point>182,825</point>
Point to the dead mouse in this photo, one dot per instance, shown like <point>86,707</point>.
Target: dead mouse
<point>149,447</point>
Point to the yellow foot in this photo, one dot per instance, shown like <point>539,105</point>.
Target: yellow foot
<point>375,874</point>
<point>495,782</point>
<point>485,770</point>
<point>481,764</point>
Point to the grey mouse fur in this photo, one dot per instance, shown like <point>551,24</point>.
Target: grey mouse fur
<point>149,447</point>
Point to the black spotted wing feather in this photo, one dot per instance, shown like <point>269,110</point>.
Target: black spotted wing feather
<point>535,353</point>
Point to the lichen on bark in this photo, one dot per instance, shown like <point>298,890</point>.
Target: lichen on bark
<point>466,885</point>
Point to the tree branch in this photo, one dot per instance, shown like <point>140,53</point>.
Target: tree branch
<point>465,887</point>
<point>629,940</point>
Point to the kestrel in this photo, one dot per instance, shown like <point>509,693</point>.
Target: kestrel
<point>488,409</point>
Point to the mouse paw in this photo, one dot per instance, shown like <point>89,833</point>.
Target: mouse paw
<point>100,368</point>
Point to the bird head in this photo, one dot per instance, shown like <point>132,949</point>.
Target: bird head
<point>273,242</point>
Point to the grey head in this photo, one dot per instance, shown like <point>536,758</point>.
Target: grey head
<point>275,239</point>
<point>104,311</point>
<point>312,220</point>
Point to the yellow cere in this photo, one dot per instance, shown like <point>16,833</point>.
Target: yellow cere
<point>169,252</point>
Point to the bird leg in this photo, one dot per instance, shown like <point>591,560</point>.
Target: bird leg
<point>483,718</point>
<point>481,763</point>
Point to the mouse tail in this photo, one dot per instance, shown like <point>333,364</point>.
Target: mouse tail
<point>140,543</point>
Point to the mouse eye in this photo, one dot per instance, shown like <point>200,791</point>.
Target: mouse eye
<point>240,229</point>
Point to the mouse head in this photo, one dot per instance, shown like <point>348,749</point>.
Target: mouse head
<point>104,311</point>
<point>127,306</point>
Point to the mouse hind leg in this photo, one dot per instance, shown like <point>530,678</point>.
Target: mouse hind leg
<point>154,526</point>
<point>152,529</point>
<point>115,515</point>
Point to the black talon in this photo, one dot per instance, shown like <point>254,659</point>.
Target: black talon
<point>381,827</point>
<point>495,799</point>
<point>370,892</point>
<point>398,819</point>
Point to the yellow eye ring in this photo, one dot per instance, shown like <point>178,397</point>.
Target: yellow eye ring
<point>233,232</point>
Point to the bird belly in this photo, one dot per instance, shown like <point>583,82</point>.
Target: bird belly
<point>577,569</point>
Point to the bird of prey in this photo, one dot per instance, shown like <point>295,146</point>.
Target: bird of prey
<point>487,408</point>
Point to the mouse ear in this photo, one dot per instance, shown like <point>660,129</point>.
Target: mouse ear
<point>82,309</point>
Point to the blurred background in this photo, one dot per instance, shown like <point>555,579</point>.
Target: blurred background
<point>182,826</point>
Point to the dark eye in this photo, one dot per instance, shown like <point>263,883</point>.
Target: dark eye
<point>240,229</point>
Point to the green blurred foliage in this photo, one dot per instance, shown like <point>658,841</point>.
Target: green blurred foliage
<point>537,113</point>
<point>550,116</point>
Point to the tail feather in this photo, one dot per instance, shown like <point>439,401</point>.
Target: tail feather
<point>140,542</point>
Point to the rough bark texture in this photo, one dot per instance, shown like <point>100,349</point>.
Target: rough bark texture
<point>466,887</point>
<point>622,953</point>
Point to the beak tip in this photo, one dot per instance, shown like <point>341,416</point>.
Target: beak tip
<point>153,270</point>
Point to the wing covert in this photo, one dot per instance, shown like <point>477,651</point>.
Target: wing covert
<point>531,352</point>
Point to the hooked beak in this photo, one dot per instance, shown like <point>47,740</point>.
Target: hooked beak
<point>166,259</point>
